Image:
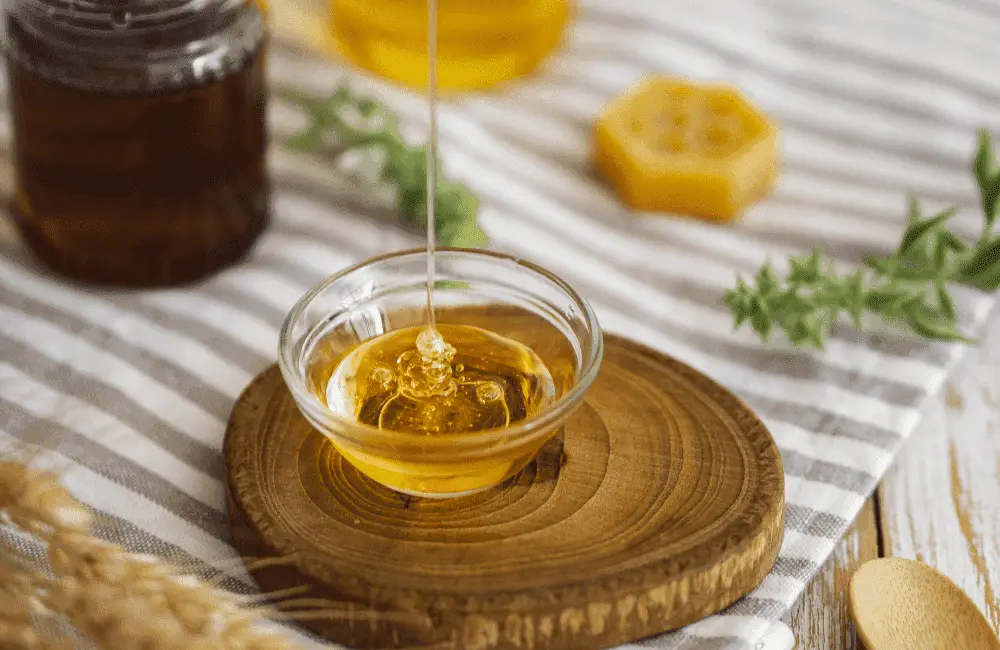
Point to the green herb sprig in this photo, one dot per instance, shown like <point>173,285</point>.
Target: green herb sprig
<point>909,286</point>
<point>345,121</point>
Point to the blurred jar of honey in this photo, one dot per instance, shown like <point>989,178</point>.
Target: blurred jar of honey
<point>480,42</point>
<point>139,135</point>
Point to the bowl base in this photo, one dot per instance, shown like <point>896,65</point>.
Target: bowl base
<point>443,495</point>
<point>661,503</point>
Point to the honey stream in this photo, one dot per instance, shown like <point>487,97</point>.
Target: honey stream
<point>414,380</point>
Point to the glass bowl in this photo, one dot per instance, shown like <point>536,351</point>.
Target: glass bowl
<point>497,292</point>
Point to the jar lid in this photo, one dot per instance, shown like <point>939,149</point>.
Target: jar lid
<point>133,45</point>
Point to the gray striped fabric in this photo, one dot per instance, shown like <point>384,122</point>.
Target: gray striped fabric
<point>127,392</point>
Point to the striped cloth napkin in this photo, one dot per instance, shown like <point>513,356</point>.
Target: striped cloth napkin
<point>128,392</point>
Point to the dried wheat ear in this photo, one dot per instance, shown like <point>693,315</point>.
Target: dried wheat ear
<point>113,599</point>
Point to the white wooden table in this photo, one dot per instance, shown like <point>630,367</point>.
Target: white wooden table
<point>939,503</point>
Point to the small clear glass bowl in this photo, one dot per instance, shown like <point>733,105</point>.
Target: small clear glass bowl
<point>497,292</point>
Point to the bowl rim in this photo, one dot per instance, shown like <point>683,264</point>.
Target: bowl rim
<point>367,436</point>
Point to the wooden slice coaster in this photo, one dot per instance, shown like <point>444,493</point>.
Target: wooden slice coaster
<point>660,504</point>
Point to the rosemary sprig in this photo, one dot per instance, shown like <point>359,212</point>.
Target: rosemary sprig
<point>909,286</point>
<point>345,122</point>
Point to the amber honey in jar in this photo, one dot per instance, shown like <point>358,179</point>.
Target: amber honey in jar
<point>139,135</point>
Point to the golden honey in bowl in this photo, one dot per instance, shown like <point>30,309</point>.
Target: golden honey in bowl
<point>451,379</point>
<point>481,371</point>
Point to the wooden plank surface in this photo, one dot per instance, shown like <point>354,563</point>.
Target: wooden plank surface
<point>940,503</point>
<point>819,620</point>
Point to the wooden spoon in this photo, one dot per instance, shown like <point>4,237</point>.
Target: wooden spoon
<point>905,605</point>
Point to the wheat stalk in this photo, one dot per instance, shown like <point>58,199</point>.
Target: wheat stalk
<point>36,502</point>
<point>115,600</point>
<point>121,601</point>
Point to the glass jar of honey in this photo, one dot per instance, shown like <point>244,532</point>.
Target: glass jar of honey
<point>139,135</point>
<point>480,42</point>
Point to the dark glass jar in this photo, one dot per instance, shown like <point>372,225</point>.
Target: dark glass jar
<point>139,135</point>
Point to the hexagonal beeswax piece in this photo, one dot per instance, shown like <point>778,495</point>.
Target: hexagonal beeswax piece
<point>676,146</point>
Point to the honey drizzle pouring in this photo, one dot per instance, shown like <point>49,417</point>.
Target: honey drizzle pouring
<point>431,155</point>
<point>409,379</point>
<point>432,374</point>
<point>424,377</point>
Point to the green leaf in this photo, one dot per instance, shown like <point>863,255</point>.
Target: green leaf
<point>465,201</point>
<point>940,256</point>
<point>404,167</point>
<point>912,281</point>
<point>988,279</point>
<point>411,202</point>
<point>470,236</point>
<point>888,300</point>
<point>945,302</point>
<point>916,233</point>
<point>767,281</point>
<point>989,283</point>
<point>740,292</point>
<point>982,270</point>
<point>989,196</point>
<point>934,325</point>
<point>451,284</point>
<point>761,318</point>
<point>368,107</point>
<point>987,176</point>
<point>740,316</point>
<point>817,337</point>
<point>810,330</point>
<point>340,96</point>
<point>737,309</point>
<point>853,297</point>
<point>884,266</point>
<point>797,332</point>
<point>951,241</point>
<point>307,141</point>
<point>914,273</point>
<point>912,209</point>
<point>739,301</point>
<point>806,269</point>
<point>300,99</point>
<point>984,164</point>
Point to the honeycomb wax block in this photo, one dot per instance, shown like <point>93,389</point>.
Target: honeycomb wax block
<point>672,145</point>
